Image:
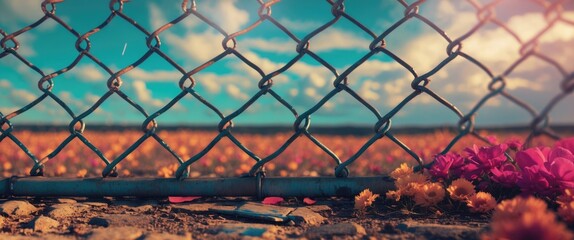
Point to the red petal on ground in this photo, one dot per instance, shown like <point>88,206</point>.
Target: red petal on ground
<point>309,201</point>
<point>272,200</point>
<point>182,199</point>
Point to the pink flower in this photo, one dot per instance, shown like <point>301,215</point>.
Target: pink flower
<point>546,170</point>
<point>447,164</point>
<point>506,175</point>
<point>483,159</point>
<point>514,144</point>
<point>567,143</point>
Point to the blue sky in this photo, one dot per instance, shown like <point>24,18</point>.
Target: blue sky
<point>229,83</point>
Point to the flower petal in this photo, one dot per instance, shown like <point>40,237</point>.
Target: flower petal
<point>173,199</point>
<point>272,200</point>
<point>309,201</point>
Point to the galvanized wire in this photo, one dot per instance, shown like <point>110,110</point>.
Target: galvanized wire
<point>540,123</point>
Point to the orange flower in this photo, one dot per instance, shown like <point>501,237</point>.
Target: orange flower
<point>82,173</point>
<point>396,195</point>
<point>408,184</point>
<point>401,171</point>
<point>365,199</point>
<point>429,194</point>
<point>566,208</point>
<point>461,189</point>
<point>481,202</point>
<point>510,210</point>
<point>526,218</point>
<point>60,170</point>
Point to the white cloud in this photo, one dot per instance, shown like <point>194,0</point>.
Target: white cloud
<point>337,39</point>
<point>17,14</point>
<point>88,73</point>
<point>317,80</point>
<point>143,94</point>
<point>91,98</point>
<point>21,97</point>
<point>225,14</point>
<point>154,75</point>
<point>297,25</point>
<point>157,18</point>
<point>5,83</point>
<point>236,92</point>
<point>516,82</point>
<point>369,89</point>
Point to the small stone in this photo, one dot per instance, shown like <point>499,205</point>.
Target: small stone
<point>17,208</point>
<point>64,210</point>
<point>319,208</point>
<point>195,207</point>
<point>439,231</point>
<point>96,204</point>
<point>234,230</point>
<point>167,236</point>
<point>121,220</point>
<point>336,229</point>
<point>66,200</point>
<point>260,211</point>
<point>137,205</point>
<point>116,233</point>
<point>45,224</point>
<point>304,215</point>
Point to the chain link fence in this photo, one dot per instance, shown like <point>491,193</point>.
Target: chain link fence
<point>421,82</point>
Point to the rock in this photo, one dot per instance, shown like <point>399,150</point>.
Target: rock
<point>4,236</point>
<point>259,211</point>
<point>304,215</point>
<point>2,221</point>
<point>336,229</point>
<point>204,207</point>
<point>137,205</point>
<point>44,224</point>
<point>236,230</point>
<point>110,220</point>
<point>166,236</point>
<point>64,210</point>
<point>116,233</point>
<point>66,200</point>
<point>319,208</point>
<point>17,208</point>
<point>96,204</point>
<point>439,231</point>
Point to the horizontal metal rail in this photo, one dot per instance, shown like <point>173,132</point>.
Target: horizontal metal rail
<point>163,187</point>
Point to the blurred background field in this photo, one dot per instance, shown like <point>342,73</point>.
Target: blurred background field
<point>302,158</point>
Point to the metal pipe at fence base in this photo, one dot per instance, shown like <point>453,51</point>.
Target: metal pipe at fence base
<point>163,187</point>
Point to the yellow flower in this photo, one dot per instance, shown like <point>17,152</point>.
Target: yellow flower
<point>481,202</point>
<point>365,199</point>
<point>408,184</point>
<point>461,189</point>
<point>401,171</point>
<point>526,218</point>
<point>429,194</point>
<point>396,195</point>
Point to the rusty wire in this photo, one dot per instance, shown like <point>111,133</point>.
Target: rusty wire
<point>540,123</point>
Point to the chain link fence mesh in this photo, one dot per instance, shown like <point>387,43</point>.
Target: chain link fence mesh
<point>421,83</point>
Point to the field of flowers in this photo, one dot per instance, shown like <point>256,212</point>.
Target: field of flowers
<point>302,158</point>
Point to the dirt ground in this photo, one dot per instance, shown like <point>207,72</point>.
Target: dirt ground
<point>83,218</point>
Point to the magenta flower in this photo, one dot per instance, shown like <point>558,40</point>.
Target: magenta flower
<point>514,144</point>
<point>546,171</point>
<point>567,143</point>
<point>447,164</point>
<point>482,160</point>
<point>506,175</point>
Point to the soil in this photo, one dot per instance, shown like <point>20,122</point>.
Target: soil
<point>153,216</point>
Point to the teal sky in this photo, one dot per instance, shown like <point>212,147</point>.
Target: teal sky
<point>230,83</point>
